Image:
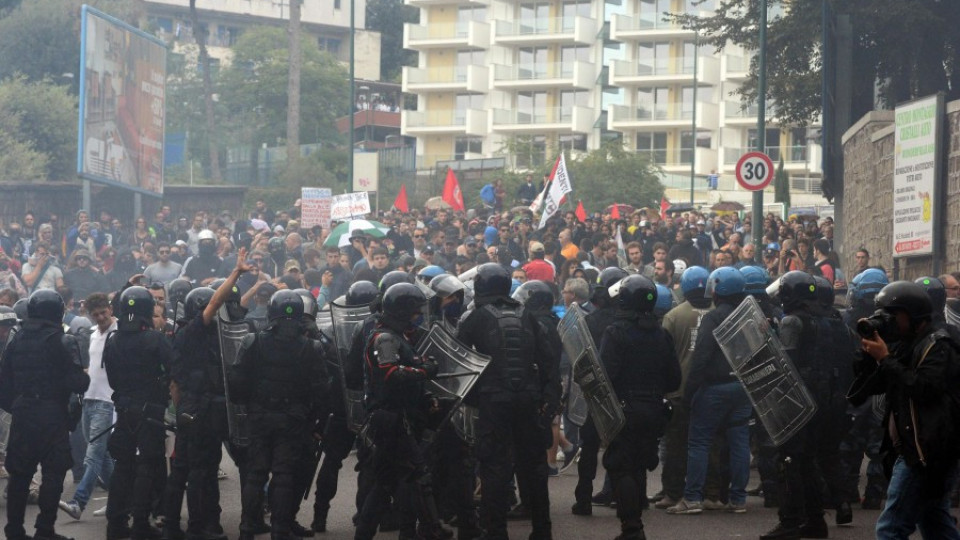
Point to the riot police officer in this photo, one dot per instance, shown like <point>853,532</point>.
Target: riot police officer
<point>40,375</point>
<point>938,298</point>
<point>597,321</point>
<point>198,375</point>
<point>203,267</point>
<point>820,355</point>
<point>641,363</point>
<point>177,292</point>
<point>393,374</point>
<point>137,361</point>
<point>338,440</point>
<point>282,380</point>
<point>517,396</point>
<point>448,304</point>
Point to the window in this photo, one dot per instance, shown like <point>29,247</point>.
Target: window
<point>531,151</point>
<point>576,141</point>
<point>464,102</point>
<point>464,145</point>
<point>534,18</point>
<point>653,58</point>
<point>653,103</point>
<point>700,6</point>
<point>331,45</point>
<point>531,107</point>
<point>336,4</point>
<point>651,12</point>
<point>532,62</point>
<point>772,142</point>
<point>653,145</point>
<point>704,95</point>
<point>472,13</point>
<point>573,9</point>
<point>569,100</point>
<point>703,140</point>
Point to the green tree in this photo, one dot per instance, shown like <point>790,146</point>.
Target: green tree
<point>19,162</point>
<point>781,186</point>
<point>42,116</point>
<point>610,175</point>
<point>908,48</point>
<point>388,17</point>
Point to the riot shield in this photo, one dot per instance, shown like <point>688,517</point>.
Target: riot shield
<point>577,409</point>
<point>346,321</point>
<point>951,312</point>
<point>325,322</point>
<point>231,334</point>
<point>779,396</point>
<point>588,373</point>
<point>459,368</point>
<point>464,420</point>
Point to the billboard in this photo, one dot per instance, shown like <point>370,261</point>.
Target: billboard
<point>122,90</point>
<point>916,176</point>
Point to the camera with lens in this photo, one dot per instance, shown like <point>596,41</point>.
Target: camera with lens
<point>881,322</point>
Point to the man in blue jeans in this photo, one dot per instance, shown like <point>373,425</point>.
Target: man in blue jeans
<point>920,376</point>
<point>716,401</point>
<point>97,409</point>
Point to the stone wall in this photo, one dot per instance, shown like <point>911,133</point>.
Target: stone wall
<point>868,154</point>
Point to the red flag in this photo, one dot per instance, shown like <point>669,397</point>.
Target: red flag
<point>615,212</point>
<point>664,206</point>
<point>580,212</point>
<point>451,192</point>
<point>401,201</point>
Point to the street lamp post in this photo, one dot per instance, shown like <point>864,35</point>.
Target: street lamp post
<point>693,134</point>
<point>353,92</point>
<point>756,224</point>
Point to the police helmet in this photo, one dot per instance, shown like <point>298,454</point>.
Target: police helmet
<point>445,285</point>
<point>429,272</point>
<point>309,303</point>
<point>664,301</point>
<point>637,293</point>
<point>361,293</point>
<point>724,281</point>
<point>906,296</point>
<point>693,278</point>
<point>866,283</point>
<point>402,301</point>
<point>607,278</point>
<point>285,304</point>
<point>392,278</point>
<point>45,304</point>
<point>20,309</point>
<point>275,245</point>
<point>136,309</point>
<point>798,290</point>
<point>7,316</point>
<point>178,290</point>
<point>492,280</point>
<point>536,295</point>
<point>755,280</point>
<point>825,292</point>
<point>196,301</point>
<point>234,295</point>
<point>936,292</point>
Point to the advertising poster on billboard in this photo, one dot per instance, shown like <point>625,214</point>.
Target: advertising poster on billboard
<point>916,176</point>
<point>122,91</point>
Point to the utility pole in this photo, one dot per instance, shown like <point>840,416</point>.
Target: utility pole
<point>756,224</point>
<point>693,135</point>
<point>353,88</point>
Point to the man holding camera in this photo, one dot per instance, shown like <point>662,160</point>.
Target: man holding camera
<point>920,376</point>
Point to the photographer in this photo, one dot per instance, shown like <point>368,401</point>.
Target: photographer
<point>919,375</point>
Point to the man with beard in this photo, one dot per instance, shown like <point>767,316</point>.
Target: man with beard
<point>341,277</point>
<point>202,268</point>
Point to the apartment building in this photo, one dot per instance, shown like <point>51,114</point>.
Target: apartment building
<point>532,76</point>
<point>328,21</point>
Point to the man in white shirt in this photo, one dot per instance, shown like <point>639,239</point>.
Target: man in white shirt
<point>97,409</point>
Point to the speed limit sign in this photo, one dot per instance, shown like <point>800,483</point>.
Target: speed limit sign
<point>754,171</point>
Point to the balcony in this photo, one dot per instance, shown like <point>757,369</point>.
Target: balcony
<point>663,116</point>
<point>645,28</point>
<point>795,158</point>
<point>549,30</point>
<point>664,71</point>
<point>555,119</point>
<point>561,75</point>
<point>736,115</point>
<point>736,68</point>
<point>678,161</point>
<point>475,79</point>
<point>470,34</point>
<point>430,3</point>
<point>444,122</point>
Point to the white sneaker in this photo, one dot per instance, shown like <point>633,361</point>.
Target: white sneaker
<point>685,507</point>
<point>710,504</point>
<point>101,512</point>
<point>71,508</point>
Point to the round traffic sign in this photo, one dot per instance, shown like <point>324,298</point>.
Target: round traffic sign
<point>754,171</point>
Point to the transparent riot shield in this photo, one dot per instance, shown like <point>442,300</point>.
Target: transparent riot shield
<point>779,396</point>
<point>325,322</point>
<point>345,322</point>
<point>588,373</point>
<point>459,369</point>
<point>464,420</point>
<point>951,312</point>
<point>231,334</point>
<point>577,409</point>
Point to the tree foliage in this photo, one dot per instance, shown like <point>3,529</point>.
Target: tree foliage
<point>781,186</point>
<point>39,122</point>
<point>387,17</point>
<point>909,48</point>
<point>610,175</point>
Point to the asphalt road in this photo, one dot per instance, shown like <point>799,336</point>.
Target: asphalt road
<point>602,525</point>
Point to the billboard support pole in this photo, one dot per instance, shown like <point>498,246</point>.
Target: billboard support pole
<point>85,195</point>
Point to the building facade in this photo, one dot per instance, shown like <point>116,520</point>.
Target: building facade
<point>529,77</point>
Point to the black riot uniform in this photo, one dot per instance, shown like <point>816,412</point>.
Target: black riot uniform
<point>597,321</point>
<point>642,365</point>
<point>40,375</point>
<point>206,264</point>
<point>822,350</point>
<point>338,440</point>
<point>517,397</point>
<point>137,360</point>
<point>398,405</point>
<point>282,379</point>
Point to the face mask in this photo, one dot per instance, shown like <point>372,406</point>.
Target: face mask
<point>418,322</point>
<point>452,310</point>
<point>207,249</point>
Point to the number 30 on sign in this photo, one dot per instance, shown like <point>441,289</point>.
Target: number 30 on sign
<point>754,171</point>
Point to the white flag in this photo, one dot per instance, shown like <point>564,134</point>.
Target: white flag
<point>559,186</point>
